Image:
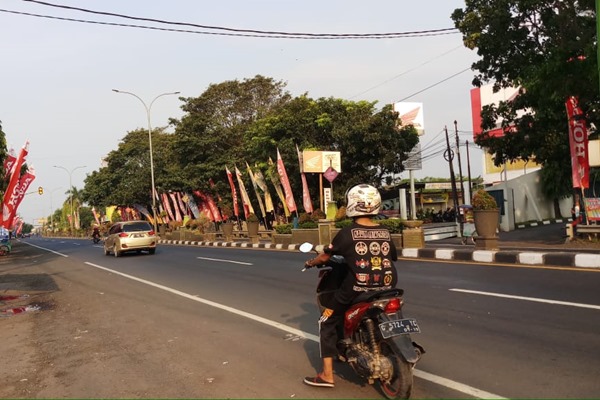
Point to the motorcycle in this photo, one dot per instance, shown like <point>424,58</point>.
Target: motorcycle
<point>96,238</point>
<point>376,339</point>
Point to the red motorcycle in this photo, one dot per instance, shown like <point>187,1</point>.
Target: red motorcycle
<point>376,343</point>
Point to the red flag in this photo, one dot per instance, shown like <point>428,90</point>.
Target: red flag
<point>285,182</point>
<point>9,162</point>
<point>236,210</point>
<point>9,206</point>
<point>175,207</point>
<point>212,186</point>
<point>209,205</point>
<point>305,194</point>
<point>20,190</point>
<point>578,141</point>
<point>167,206</point>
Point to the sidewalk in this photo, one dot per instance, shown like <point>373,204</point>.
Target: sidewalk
<point>542,245</point>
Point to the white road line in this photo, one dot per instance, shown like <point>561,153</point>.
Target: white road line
<point>221,260</point>
<point>534,299</point>
<point>420,374</point>
<point>43,248</point>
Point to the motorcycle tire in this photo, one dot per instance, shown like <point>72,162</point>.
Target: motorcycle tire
<point>400,385</point>
<point>4,250</point>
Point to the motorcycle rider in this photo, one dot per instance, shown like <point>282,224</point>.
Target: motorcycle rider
<point>96,232</point>
<point>369,253</point>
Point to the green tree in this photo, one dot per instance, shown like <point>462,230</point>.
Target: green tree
<point>211,134</point>
<point>548,49</point>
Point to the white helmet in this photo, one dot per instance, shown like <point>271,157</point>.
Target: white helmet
<point>362,200</point>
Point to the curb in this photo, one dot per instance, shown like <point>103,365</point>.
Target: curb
<point>558,259</point>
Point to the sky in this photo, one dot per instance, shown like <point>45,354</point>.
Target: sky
<point>57,76</point>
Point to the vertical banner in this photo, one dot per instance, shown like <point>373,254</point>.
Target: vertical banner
<point>16,195</point>
<point>255,186</point>
<point>262,184</point>
<point>9,163</point>
<point>175,207</point>
<point>244,194</point>
<point>578,141</point>
<point>165,200</point>
<point>277,184</point>
<point>308,208</point>
<point>191,203</point>
<point>182,204</point>
<point>236,209</point>
<point>285,182</point>
<point>7,207</point>
<point>96,217</point>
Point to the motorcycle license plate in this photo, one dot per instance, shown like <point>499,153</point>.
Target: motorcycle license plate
<point>398,327</point>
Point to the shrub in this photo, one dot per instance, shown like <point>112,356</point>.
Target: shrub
<point>252,218</point>
<point>283,229</point>
<point>304,217</point>
<point>318,214</point>
<point>482,200</point>
<point>342,223</point>
<point>392,224</point>
<point>341,213</point>
<point>308,225</point>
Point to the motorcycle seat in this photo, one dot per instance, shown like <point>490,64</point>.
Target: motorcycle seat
<point>376,295</point>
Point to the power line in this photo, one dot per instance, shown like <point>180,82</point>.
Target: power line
<point>242,32</point>
<point>435,84</point>
<point>407,71</point>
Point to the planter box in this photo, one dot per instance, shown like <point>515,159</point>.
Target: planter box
<point>397,239</point>
<point>413,238</point>
<point>282,238</point>
<point>300,236</point>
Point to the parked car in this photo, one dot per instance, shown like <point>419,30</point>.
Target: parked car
<point>128,236</point>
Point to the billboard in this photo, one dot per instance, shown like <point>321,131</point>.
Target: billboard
<point>319,161</point>
<point>411,114</point>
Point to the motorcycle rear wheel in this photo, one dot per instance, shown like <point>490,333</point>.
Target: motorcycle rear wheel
<point>400,385</point>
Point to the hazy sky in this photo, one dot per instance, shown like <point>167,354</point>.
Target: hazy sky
<point>56,75</point>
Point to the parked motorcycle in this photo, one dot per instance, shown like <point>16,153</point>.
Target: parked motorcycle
<point>376,343</point>
<point>5,247</point>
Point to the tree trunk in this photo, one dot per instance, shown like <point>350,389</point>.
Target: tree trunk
<point>557,212</point>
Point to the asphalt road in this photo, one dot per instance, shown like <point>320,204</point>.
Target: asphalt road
<point>489,331</point>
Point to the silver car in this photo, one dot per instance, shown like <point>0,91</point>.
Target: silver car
<point>126,236</point>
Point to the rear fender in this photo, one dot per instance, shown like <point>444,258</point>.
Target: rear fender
<point>403,344</point>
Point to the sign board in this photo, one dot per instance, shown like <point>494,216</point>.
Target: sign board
<point>414,158</point>
<point>319,161</point>
<point>327,195</point>
<point>411,114</point>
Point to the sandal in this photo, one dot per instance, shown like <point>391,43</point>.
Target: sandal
<point>318,382</point>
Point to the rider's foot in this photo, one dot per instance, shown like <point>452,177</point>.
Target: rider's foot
<point>318,381</point>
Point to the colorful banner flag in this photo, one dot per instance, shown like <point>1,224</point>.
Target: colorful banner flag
<point>277,184</point>
<point>244,194</point>
<point>9,162</point>
<point>255,186</point>
<point>262,184</point>
<point>167,206</point>
<point>306,202</point>
<point>285,182</point>
<point>578,141</point>
<point>96,216</point>
<point>182,204</point>
<point>175,207</point>
<point>236,210</point>
<point>16,196</point>
<point>142,210</point>
<point>191,203</point>
<point>9,206</point>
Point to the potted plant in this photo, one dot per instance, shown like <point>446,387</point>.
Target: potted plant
<point>485,213</point>
<point>252,224</point>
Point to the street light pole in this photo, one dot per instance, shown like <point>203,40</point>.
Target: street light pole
<point>148,109</point>
<point>72,222</point>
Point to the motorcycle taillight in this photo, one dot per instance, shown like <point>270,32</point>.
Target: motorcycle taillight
<point>392,306</point>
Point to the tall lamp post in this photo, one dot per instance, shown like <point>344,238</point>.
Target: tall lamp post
<point>148,109</point>
<point>70,172</point>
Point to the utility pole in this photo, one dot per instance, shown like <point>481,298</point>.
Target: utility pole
<point>449,156</point>
<point>460,175</point>
<point>469,170</point>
